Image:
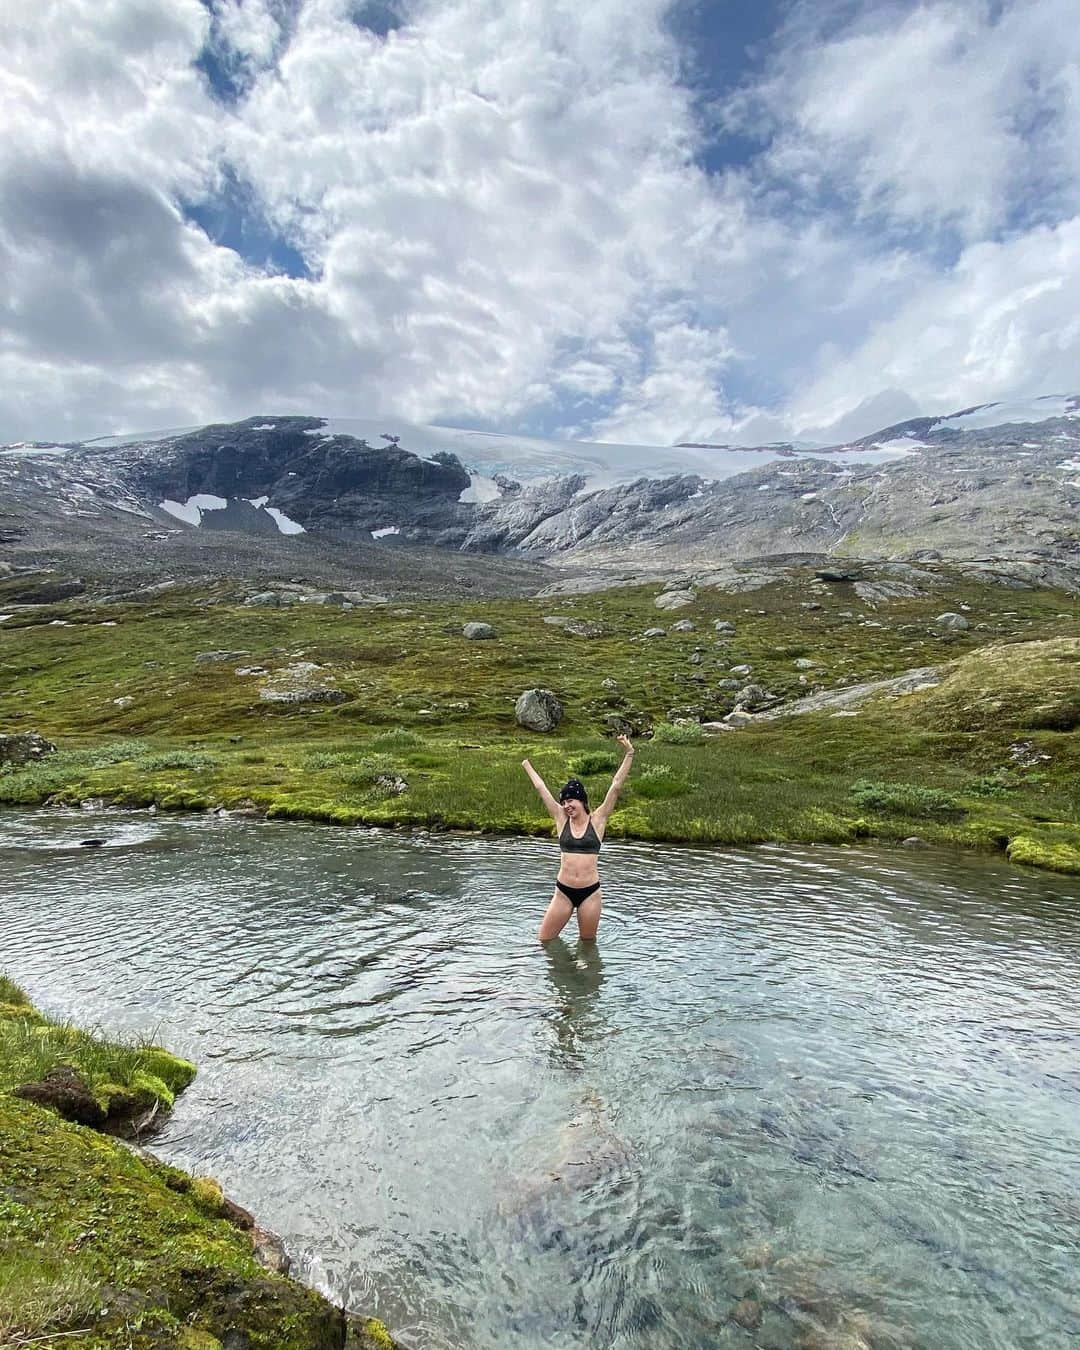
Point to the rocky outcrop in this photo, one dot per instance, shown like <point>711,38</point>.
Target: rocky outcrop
<point>538,710</point>
<point>24,747</point>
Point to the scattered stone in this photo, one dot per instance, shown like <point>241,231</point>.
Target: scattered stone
<point>683,626</point>
<point>955,623</point>
<point>392,783</point>
<point>689,713</point>
<point>1022,753</point>
<point>609,683</point>
<point>478,632</point>
<point>270,599</point>
<point>582,628</point>
<point>752,696</point>
<point>809,604</point>
<point>741,670</point>
<point>675,599</point>
<point>836,574</point>
<point>251,670</point>
<point>695,658</point>
<point>655,632</point>
<point>723,626</point>
<point>301,683</point>
<point>24,747</point>
<point>739,717</point>
<point>124,701</point>
<point>63,1091</point>
<point>804,663</point>
<point>538,710</point>
<point>727,685</point>
<point>210,658</point>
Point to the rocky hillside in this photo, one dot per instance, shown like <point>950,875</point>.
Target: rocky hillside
<point>303,497</point>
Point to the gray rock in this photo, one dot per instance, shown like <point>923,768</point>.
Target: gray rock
<point>609,683</point>
<point>955,623</point>
<point>739,717</point>
<point>742,670</point>
<point>675,599</point>
<point>251,670</point>
<point>913,841</point>
<point>269,599</point>
<point>683,626</point>
<point>211,658</point>
<point>655,632</point>
<point>538,710</point>
<point>391,783</point>
<point>727,685</point>
<point>723,626</point>
<point>583,628</point>
<point>752,696</point>
<point>24,747</point>
<point>695,658</point>
<point>479,632</point>
<point>804,663</point>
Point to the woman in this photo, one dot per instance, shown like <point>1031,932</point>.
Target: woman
<point>580,837</point>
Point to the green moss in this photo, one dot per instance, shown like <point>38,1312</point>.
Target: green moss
<point>1054,857</point>
<point>368,1334</point>
<point>439,713</point>
<point>207,1194</point>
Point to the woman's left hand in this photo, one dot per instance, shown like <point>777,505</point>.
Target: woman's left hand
<point>624,741</point>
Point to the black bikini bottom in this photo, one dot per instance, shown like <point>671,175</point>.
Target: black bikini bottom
<point>576,894</point>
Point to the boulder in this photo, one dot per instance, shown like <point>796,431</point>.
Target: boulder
<point>24,747</point>
<point>803,663</point>
<point>752,696</point>
<point>44,590</point>
<point>739,717</point>
<point>270,599</point>
<point>478,632</point>
<point>741,670</point>
<point>722,626</point>
<point>655,632</point>
<point>683,626</point>
<point>955,623</point>
<point>675,599</point>
<point>538,710</point>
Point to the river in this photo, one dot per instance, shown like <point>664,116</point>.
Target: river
<point>832,1094</point>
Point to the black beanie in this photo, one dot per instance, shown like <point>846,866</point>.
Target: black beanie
<point>576,789</point>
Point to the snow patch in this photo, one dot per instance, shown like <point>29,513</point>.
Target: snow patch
<point>191,510</point>
<point>386,529</point>
<point>480,489</point>
<point>26,451</point>
<point>264,426</point>
<point>1018,410</point>
<point>284,524</point>
<point>256,501</point>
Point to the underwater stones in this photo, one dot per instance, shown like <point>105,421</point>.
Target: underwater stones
<point>675,599</point>
<point>955,623</point>
<point>479,632</point>
<point>63,1091</point>
<point>747,1313</point>
<point>24,747</point>
<point>538,710</point>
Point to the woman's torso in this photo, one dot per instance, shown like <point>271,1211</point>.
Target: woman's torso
<point>578,868</point>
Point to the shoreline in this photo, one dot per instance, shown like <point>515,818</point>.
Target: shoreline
<point>103,1241</point>
<point>1019,851</point>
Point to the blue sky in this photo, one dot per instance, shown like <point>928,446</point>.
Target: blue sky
<point>647,223</point>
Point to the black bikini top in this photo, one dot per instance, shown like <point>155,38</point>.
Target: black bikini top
<point>589,842</point>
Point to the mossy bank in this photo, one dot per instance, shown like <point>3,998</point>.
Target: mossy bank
<point>189,703</point>
<point>105,1247</point>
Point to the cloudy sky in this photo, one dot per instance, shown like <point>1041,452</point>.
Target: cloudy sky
<point>624,220</point>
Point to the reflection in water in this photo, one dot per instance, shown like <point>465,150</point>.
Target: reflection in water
<point>576,976</point>
<point>819,1097</point>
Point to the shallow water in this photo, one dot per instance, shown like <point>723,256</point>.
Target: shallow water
<point>843,1083</point>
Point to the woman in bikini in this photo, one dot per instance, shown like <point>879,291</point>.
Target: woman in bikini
<point>578,883</point>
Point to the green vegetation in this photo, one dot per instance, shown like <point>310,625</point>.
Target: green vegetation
<point>107,1249</point>
<point>141,722</point>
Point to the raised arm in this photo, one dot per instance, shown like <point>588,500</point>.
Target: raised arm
<point>622,773</point>
<point>554,809</point>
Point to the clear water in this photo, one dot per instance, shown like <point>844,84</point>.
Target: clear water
<point>844,1084</point>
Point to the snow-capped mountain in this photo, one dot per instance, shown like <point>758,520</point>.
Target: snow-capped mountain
<point>998,480</point>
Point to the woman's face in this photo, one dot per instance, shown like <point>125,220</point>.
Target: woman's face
<point>574,809</point>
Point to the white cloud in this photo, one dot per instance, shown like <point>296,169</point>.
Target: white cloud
<point>502,217</point>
